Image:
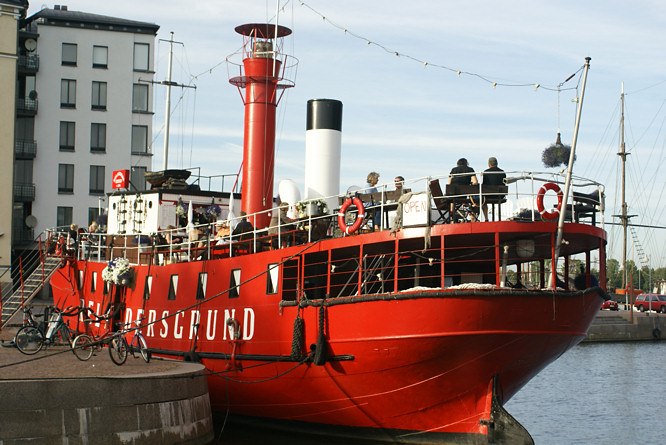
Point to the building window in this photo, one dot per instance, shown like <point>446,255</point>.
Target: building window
<point>139,139</point>
<point>100,56</point>
<point>63,216</point>
<point>140,98</point>
<point>67,93</point>
<point>141,54</point>
<point>138,178</point>
<point>67,132</point>
<point>69,54</point>
<point>96,179</point>
<point>65,178</point>
<point>93,214</point>
<point>97,138</point>
<point>99,95</point>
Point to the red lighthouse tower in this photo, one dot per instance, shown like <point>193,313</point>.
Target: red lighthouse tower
<point>262,75</point>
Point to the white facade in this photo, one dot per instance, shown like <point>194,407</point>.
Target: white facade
<point>114,69</point>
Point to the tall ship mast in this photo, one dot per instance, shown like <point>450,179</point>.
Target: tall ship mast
<point>389,313</point>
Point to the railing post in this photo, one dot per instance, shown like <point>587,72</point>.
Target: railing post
<point>21,275</point>
<point>41,257</point>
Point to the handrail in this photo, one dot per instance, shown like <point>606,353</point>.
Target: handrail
<point>522,187</point>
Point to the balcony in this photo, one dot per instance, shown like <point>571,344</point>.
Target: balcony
<point>24,192</point>
<point>22,235</point>
<point>25,149</point>
<point>28,63</point>
<point>26,107</point>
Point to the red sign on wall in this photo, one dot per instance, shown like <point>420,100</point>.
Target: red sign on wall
<point>120,179</point>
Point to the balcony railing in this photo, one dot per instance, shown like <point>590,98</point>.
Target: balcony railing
<point>26,106</point>
<point>25,149</point>
<point>22,234</point>
<point>24,192</point>
<point>28,63</point>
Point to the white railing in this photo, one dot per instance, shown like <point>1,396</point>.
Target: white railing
<point>199,242</point>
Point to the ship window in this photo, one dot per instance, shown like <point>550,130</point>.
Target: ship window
<point>173,287</point>
<point>234,282</point>
<point>147,287</point>
<point>290,276</point>
<point>272,279</point>
<point>202,285</point>
<point>106,288</point>
<point>93,282</point>
<point>79,281</point>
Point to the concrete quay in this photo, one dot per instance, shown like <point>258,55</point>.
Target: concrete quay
<point>52,397</point>
<point>618,326</point>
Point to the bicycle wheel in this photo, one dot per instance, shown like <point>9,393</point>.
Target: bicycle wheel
<point>143,347</point>
<point>82,347</point>
<point>29,340</point>
<point>118,349</point>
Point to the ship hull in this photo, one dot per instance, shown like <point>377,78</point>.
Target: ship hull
<point>414,366</point>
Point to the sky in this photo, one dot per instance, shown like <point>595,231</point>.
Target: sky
<point>406,109</point>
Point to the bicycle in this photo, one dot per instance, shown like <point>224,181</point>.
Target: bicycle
<point>85,345</point>
<point>31,338</point>
<point>119,347</point>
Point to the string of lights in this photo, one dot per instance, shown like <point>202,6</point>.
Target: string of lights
<point>459,72</point>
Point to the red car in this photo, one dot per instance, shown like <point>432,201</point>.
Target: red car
<point>654,302</point>
<point>611,305</point>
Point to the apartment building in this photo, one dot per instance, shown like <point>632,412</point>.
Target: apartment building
<point>11,12</point>
<point>88,88</point>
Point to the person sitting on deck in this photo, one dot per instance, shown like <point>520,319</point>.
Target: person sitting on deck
<point>371,187</point>
<point>222,234</point>
<point>493,175</point>
<point>243,232</point>
<point>463,174</point>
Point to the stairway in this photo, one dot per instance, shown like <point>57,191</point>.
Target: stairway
<point>32,284</point>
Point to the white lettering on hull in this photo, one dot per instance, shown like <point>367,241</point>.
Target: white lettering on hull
<point>173,325</point>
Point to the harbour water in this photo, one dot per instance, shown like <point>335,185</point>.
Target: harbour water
<point>604,393</point>
<point>595,394</point>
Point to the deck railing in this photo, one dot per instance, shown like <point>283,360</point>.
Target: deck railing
<point>518,202</point>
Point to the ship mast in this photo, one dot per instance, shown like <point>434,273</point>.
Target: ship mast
<point>567,182</point>
<point>167,111</point>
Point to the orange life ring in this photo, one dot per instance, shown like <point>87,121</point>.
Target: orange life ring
<point>549,215</point>
<point>59,248</point>
<point>359,217</point>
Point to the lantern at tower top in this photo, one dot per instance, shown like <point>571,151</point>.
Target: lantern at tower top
<point>265,41</point>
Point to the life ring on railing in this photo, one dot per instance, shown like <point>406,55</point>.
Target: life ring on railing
<point>542,191</point>
<point>359,217</point>
<point>59,247</point>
